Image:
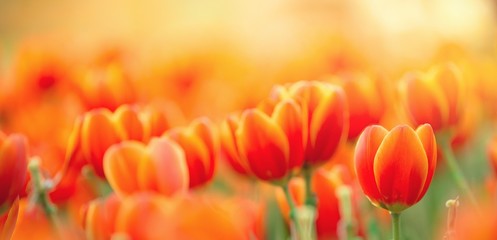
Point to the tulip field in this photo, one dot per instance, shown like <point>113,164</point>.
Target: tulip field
<point>222,120</point>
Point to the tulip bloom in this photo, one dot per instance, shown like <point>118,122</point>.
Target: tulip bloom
<point>395,168</point>
<point>271,146</point>
<point>364,100</point>
<point>326,117</point>
<point>107,86</point>
<point>13,167</point>
<point>200,147</point>
<point>435,97</point>
<point>160,166</point>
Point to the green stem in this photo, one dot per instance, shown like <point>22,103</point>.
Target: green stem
<point>310,197</point>
<point>295,228</point>
<point>455,170</point>
<point>395,225</point>
<point>40,197</point>
<point>40,189</point>
<point>347,223</point>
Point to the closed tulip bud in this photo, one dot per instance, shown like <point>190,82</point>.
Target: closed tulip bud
<point>326,118</point>
<point>13,167</point>
<point>271,145</point>
<point>200,145</point>
<point>435,97</point>
<point>160,166</point>
<point>395,168</point>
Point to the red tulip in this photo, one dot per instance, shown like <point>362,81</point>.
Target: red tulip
<point>326,117</point>
<point>395,168</point>
<point>271,146</point>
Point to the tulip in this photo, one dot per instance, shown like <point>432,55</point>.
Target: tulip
<point>395,168</point>
<point>435,97</point>
<point>271,146</point>
<point>160,166</point>
<point>200,147</point>
<point>13,167</point>
<point>107,86</point>
<point>326,117</point>
<point>364,99</point>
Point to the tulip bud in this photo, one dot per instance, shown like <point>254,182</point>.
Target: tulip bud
<point>395,168</point>
<point>435,97</point>
<point>200,147</point>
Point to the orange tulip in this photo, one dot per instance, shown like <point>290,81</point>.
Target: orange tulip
<point>99,217</point>
<point>435,97</point>
<point>326,117</point>
<point>395,168</point>
<point>229,147</point>
<point>271,146</point>
<point>13,167</point>
<point>364,100</point>
<point>107,86</point>
<point>200,147</point>
<point>160,166</point>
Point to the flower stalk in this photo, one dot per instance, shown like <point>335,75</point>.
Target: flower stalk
<point>395,225</point>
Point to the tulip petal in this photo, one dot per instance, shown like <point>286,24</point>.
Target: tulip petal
<point>448,77</point>
<point>264,145</point>
<point>196,152</point>
<point>121,163</point>
<point>8,220</point>
<point>13,167</point>
<point>167,168</point>
<point>127,119</point>
<point>427,137</point>
<point>98,134</point>
<point>202,127</point>
<point>328,126</point>
<point>400,167</point>
<point>288,116</point>
<point>365,152</point>
<point>229,146</point>
<point>425,101</point>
